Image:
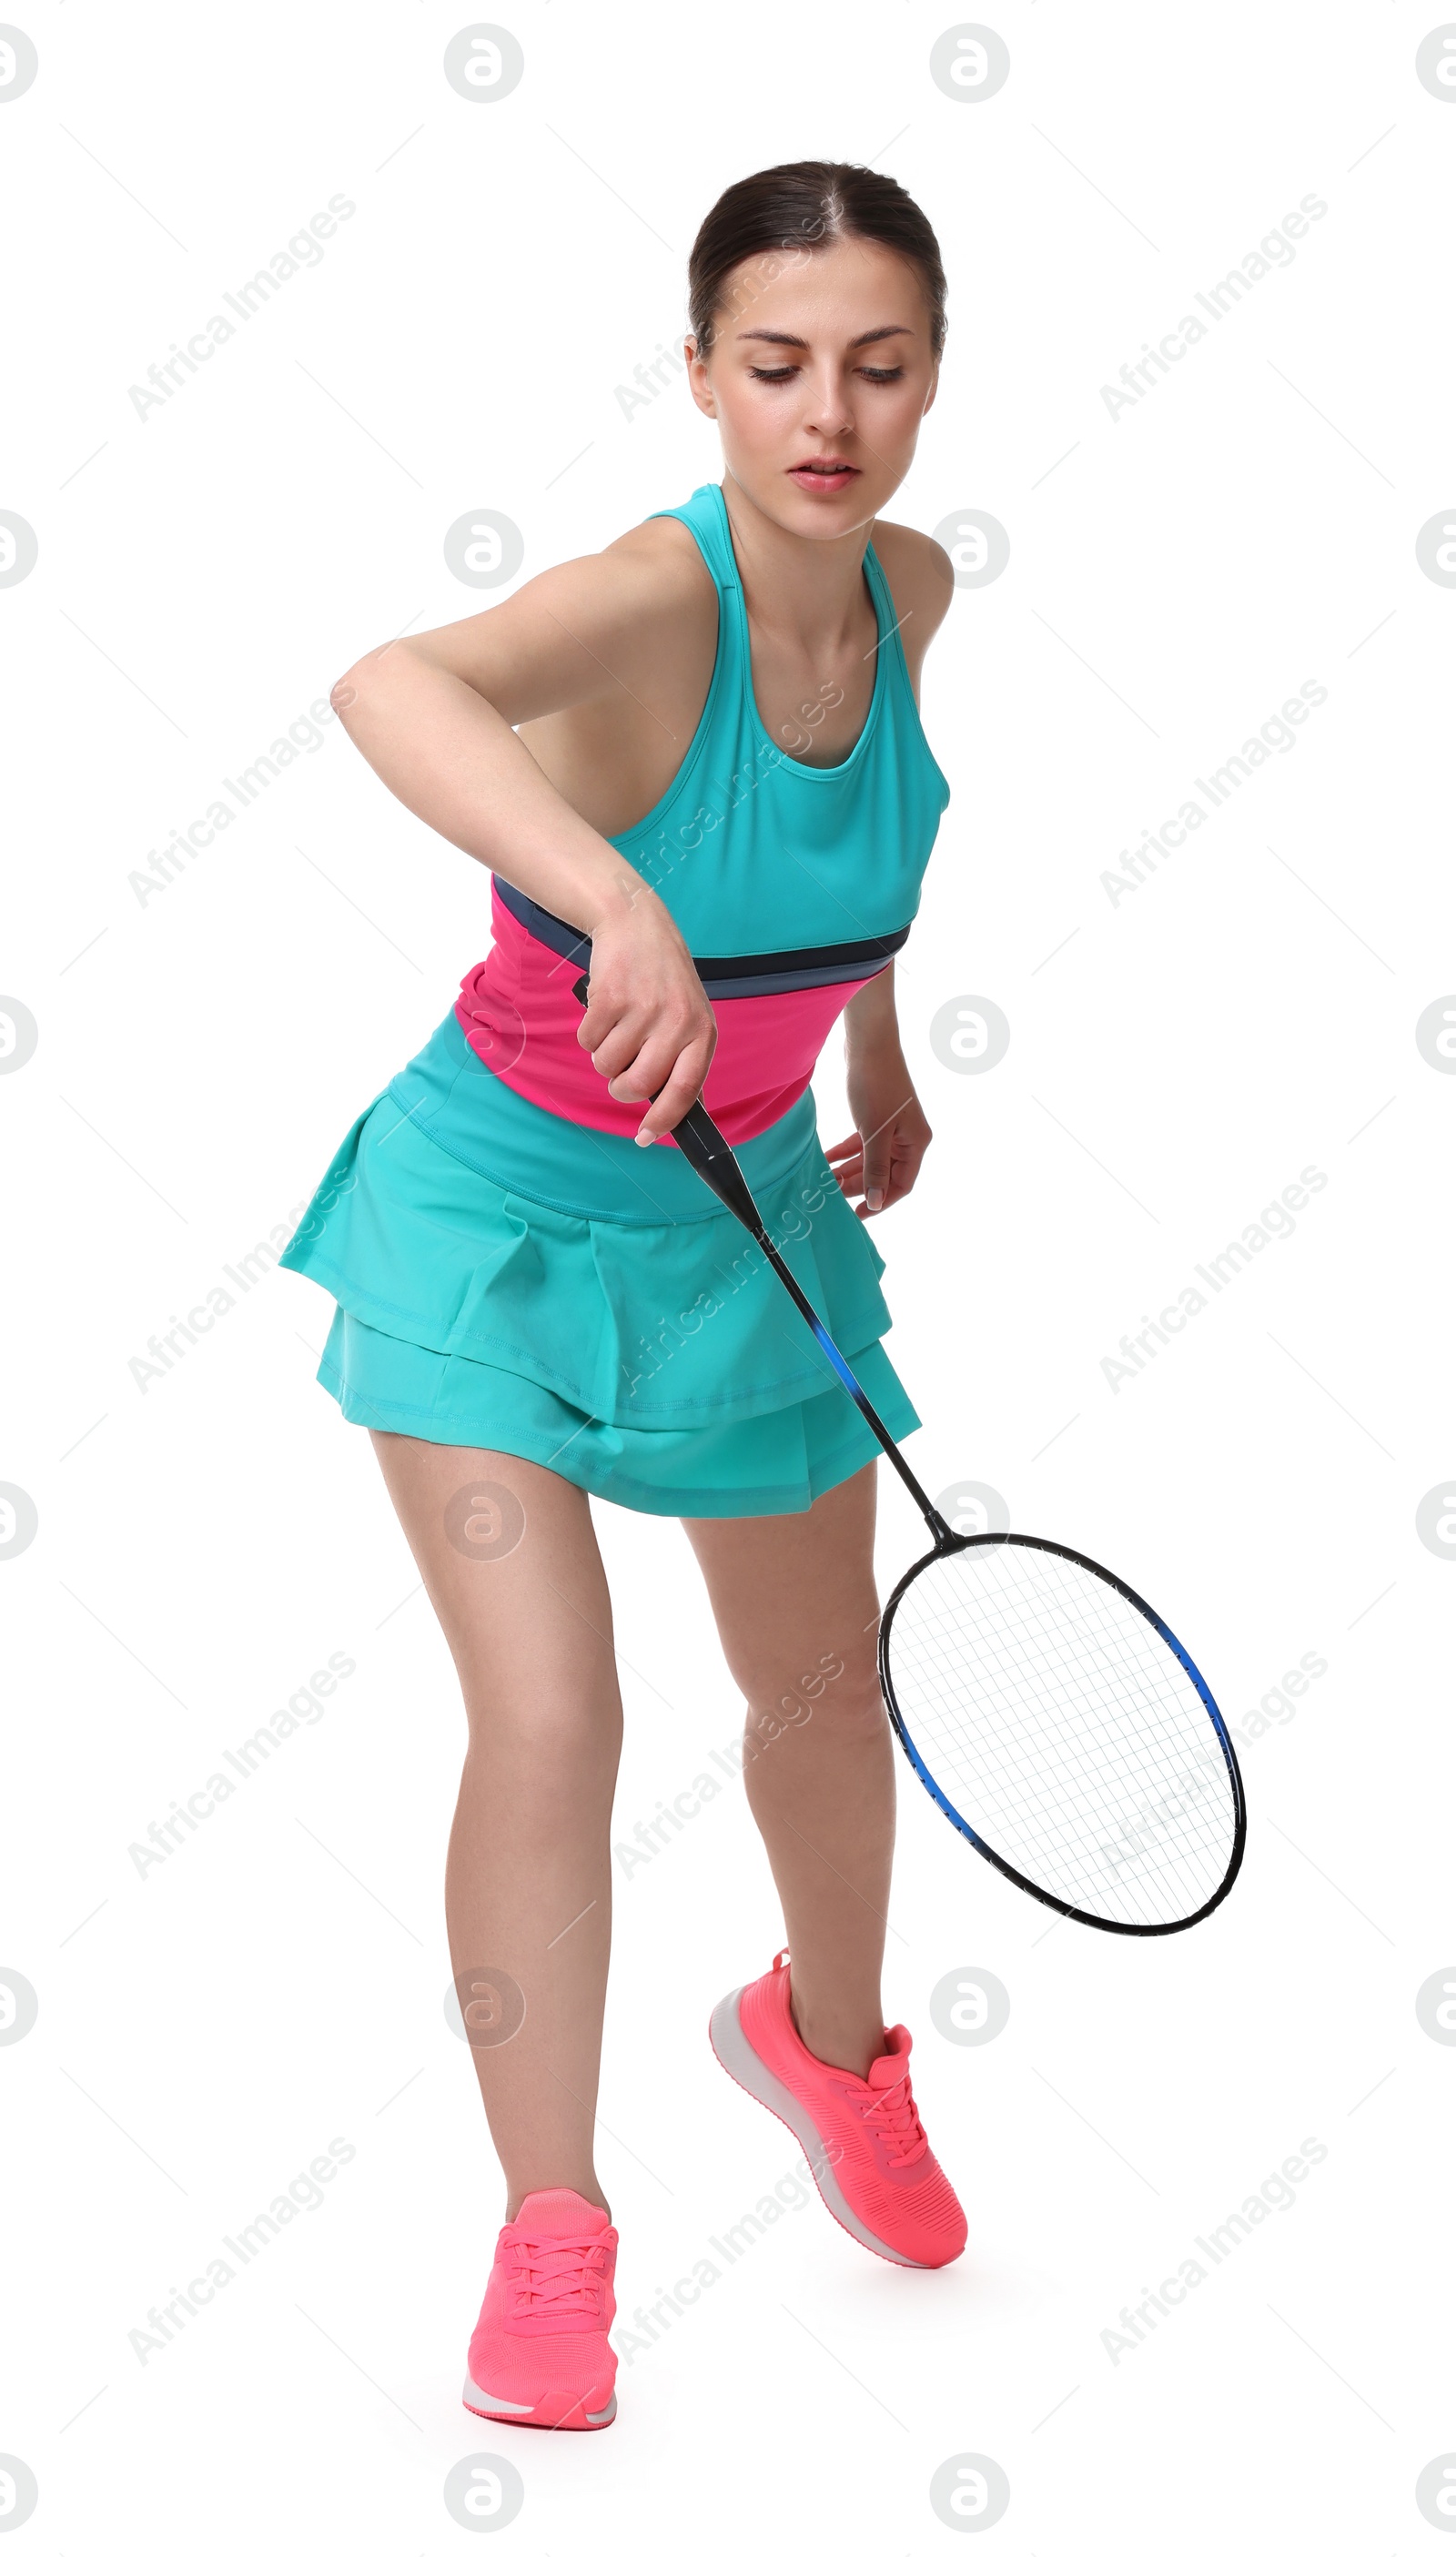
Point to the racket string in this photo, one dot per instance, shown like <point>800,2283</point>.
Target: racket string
<point>1038,1828</point>
<point>1042,1822</point>
<point>1064,1727</point>
<point>1082,1822</point>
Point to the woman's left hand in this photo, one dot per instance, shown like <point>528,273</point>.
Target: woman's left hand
<point>879,1162</point>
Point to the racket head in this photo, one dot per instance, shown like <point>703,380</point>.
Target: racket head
<point>1120,1819</point>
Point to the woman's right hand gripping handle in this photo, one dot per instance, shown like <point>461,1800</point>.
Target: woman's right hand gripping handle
<point>648,1022</point>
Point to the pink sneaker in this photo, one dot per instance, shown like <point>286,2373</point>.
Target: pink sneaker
<point>539,2353</point>
<point>863,2137</point>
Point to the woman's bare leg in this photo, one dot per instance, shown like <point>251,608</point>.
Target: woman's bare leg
<point>797,1613</point>
<point>528,1879</point>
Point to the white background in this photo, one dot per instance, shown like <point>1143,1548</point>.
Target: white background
<point>204,1544</point>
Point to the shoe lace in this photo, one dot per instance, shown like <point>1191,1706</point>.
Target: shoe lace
<point>892,2114</point>
<point>573,2279</point>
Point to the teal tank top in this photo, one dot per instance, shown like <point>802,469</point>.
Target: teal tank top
<point>793,882</point>
<point>820,854</point>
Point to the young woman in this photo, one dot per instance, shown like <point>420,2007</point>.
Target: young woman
<point>695,765</point>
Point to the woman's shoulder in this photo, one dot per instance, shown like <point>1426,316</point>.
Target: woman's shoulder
<point>921,579</point>
<point>664,554</point>
<point>667,604</point>
<point>649,578</point>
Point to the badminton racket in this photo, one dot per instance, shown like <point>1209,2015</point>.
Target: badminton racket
<point>1046,1708</point>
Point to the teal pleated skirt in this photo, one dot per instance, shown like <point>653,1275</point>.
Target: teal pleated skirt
<point>506,1280</point>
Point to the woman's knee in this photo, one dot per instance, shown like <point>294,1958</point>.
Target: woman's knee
<point>844,1698</point>
<point>576,1724</point>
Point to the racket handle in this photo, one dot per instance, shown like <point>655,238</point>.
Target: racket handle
<point>708,1153</point>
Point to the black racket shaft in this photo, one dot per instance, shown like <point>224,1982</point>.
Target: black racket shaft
<point>712,1159</point>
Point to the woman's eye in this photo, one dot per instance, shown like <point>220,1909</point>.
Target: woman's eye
<point>787,372</point>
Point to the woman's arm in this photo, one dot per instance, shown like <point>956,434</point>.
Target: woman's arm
<point>879,1162</point>
<point>435,715</point>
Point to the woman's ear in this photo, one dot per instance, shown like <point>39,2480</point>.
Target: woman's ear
<point>697,372</point>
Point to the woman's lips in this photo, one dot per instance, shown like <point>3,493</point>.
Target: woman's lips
<point>824,483</point>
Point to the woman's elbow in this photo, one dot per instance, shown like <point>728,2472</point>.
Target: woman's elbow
<point>361,680</point>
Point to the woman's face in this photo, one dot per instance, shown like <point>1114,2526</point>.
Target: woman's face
<point>821,357</point>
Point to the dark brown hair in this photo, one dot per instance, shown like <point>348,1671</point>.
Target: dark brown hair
<point>798,207</point>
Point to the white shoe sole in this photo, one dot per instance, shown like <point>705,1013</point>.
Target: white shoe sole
<point>508,2413</point>
<point>735,2053</point>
